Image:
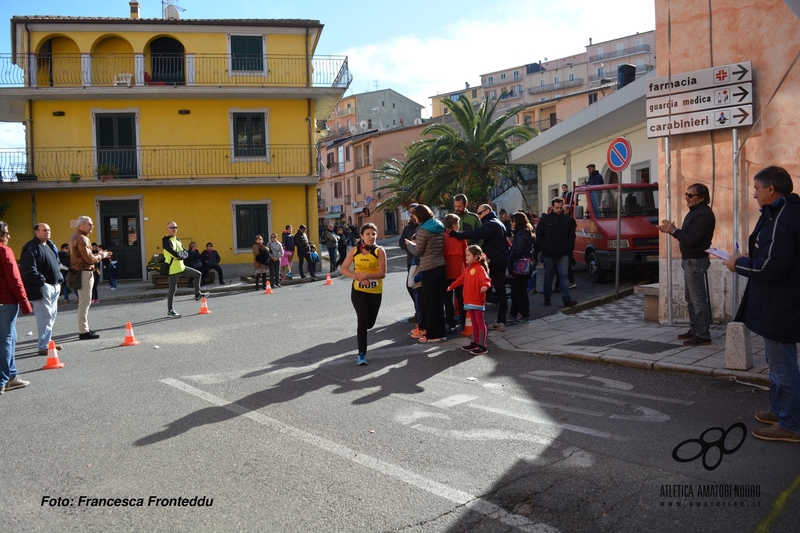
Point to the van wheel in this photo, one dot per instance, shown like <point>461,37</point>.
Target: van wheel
<point>596,274</point>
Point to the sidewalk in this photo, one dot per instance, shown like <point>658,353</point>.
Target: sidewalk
<point>617,333</point>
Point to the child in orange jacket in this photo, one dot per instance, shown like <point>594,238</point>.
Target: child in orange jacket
<point>475,280</point>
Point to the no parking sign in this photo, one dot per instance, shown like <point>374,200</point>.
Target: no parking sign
<point>619,154</point>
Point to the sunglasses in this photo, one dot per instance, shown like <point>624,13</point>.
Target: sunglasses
<point>481,213</point>
<point>173,227</point>
<point>689,195</point>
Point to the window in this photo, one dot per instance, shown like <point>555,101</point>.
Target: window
<point>251,220</point>
<point>392,105</point>
<point>491,95</point>
<point>592,98</point>
<point>347,149</point>
<point>383,104</point>
<point>600,52</point>
<point>502,77</point>
<point>556,80</point>
<point>620,47</point>
<point>247,52</point>
<point>249,135</point>
<point>639,43</point>
<point>541,83</point>
<point>394,123</point>
<point>358,184</point>
<point>572,76</point>
<point>516,75</point>
<point>474,93</point>
<point>580,200</point>
<point>337,189</point>
<point>115,139</point>
<point>491,80</point>
<point>348,124</point>
<point>367,153</point>
<point>454,97</point>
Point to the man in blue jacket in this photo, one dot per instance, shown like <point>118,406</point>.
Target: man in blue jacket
<point>41,275</point>
<point>770,305</point>
<point>495,247</point>
<point>594,176</point>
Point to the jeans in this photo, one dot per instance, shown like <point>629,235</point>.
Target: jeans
<point>8,342</point>
<point>560,266</point>
<point>332,257</point>
<point>85,300</point>
<point>696,298</point>
<point>784,383</point>
<point>45,310</point>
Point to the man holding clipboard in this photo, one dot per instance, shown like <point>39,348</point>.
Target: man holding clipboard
<point>694,239</point>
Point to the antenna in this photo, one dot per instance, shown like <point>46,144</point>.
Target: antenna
<point>170,10</point>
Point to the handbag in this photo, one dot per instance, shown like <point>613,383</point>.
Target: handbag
<point>521,267</point>
<point>73,279</point>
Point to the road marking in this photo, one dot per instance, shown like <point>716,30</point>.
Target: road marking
<point>613,383</point>
<point>587,396</point>
<point>456,399</point>
<point>548,422</point>
<point>381,372</point>
<point>456,496</point>
<point>606,389</point>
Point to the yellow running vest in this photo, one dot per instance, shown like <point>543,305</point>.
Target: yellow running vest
<point>367,263</point>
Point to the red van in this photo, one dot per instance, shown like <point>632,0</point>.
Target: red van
<point>595,211</point>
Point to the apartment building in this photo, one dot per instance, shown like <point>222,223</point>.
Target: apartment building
<point>374,110</point>
<point>136,122</point>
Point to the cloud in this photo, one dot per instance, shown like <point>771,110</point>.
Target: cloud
<point>12,135</point>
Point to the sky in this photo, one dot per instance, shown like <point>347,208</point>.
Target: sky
<point>419,49</point>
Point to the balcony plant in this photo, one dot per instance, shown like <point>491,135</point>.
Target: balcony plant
<point>25,176</point>
<point>74,178</point>
<point>107,171</point>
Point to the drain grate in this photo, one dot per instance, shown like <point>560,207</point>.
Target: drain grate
<point>645,346</point>
<point>597,341</point>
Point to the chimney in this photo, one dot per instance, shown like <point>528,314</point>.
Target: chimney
<point>467,84</point>
<point>134,9</point>
<point>590,41</point>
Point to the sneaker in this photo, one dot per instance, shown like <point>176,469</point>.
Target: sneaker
<point>471,346</point>
<point>412,320</point>
<point>513,318</point>
<point>425,340</point>
<point>697,341</point>
<point>547,301</point>
<point>173,314</point>
<point>362,359</point>
<point>522,320</point>
<point>222,283</point>
<point>498,326</point>
<point>112,288</point>
<point>774,432</point>
<point>570,303</point>
<point>17,383</point>
<point>45,351</point>
<point>533,291</point>
<point>89,335</point>
<point>685,336</point>
<point>95,301</point>
<point>202,295</point>
<point>480,350</point>
<point>573,285</point>
<point>766,417</point>
<point>417,333</point>
<point>314,278</point>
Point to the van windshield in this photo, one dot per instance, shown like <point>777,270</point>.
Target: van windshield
<point>635,202</point>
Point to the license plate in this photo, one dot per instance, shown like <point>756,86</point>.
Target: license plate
<point>650,258</point>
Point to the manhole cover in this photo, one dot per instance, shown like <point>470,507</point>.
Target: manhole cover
<point>597,341</point>
<point>645,346</point>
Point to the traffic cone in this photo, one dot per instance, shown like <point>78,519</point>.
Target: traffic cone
<point>129,339</point>
<point>267,289</point>
<point>204,310</point>
<point>328,280</point>
<point>52,358</point>
<point>467,327</point>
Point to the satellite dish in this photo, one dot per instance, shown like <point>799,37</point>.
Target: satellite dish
<point>353,129</point>
<point>417,121</point>
<point>363,124</point>
<point>171,13</point>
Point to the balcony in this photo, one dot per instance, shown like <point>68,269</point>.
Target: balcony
<point>347,112</point>
<point>577,82</point>
<point>542,125</point>
<point>156,162</point>
<point>191,70</point>
<point>645,48</point>
<point>361,163</point>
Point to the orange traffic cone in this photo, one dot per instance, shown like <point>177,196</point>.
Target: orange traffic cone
<point>267,289</point>
<point>467,327</point>
<point>52,358</point>
<point>328,280</point>
<point>129,338</point>
<point>204,310</point>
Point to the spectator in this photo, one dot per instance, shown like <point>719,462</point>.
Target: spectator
<point>520,250</point>
<point>288,251</point>
<point>174,254</point>
<point>505,218</point>
<point>302,245</point>
<point>408,233</point>
<point>13,299</point>
<point>110,271</point>
<point>194,261</point>
<point>342,246</point>
<point>331,241</point>
<point>495,245</point>
<point>555,237</point>
<point>455,262</point>
<point>42,278</point>
<point>83,259</point>
<point>430,250</point>
<point>315,259</point>
<point>63,258</point>
<point>594,176</point>
<point>275,256</point>
<point>260,263</point>
<point>96,275</point>
<point>210,259</point>
<point>566,194</point>
<point>475,282</point>
<point>468,221</point>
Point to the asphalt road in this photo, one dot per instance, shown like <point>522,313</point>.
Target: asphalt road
<point>260,407</point>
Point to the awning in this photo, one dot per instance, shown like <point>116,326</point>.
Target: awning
<point>358,210</point>
<point>334,215</point>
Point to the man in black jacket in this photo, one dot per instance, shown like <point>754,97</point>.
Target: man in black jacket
<point>210,259</point>
<point>303,252</point>
<point>408,233</point>
<point>555,237</point>
<point>41,275</point>
<point>695,239</point>
<point>495,247</point>
<point>770,304</point>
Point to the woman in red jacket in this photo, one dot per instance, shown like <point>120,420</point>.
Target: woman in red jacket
<point>12,299</point>
<point>475,280</point>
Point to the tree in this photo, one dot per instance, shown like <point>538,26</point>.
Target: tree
<point>450,161</point>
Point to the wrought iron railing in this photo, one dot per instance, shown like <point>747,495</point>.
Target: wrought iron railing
<point>556,86</point>
<point>202,70</point>
<point>155,162</point>
<point>620,53</point>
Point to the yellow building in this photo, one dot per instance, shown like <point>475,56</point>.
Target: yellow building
<point>136,122</point>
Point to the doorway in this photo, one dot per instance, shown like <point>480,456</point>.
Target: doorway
<point>120,233</point>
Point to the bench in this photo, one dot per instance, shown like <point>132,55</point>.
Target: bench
<point>162,282</point>
<point>650,292</point>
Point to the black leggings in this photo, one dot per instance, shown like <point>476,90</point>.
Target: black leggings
<point>367,306</point>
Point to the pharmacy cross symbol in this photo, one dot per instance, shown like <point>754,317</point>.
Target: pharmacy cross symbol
<point>722,75</point>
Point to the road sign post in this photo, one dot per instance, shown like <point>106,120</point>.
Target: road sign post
<point>618,157</point>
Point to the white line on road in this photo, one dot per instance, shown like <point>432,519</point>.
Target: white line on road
<point>456,496</point>
<point>456,399</point>
<point>608,390</point>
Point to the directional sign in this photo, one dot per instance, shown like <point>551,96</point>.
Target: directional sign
<point>700,79</point>
<point>619,154</point>
<point>713,119</point>
<point>739,94</point>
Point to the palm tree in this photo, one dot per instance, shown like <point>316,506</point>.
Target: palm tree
<point>449,161</point>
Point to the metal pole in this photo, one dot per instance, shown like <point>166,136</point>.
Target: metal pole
<point>619,232</point>
<point>668,216</point>
<point>735,187</point>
